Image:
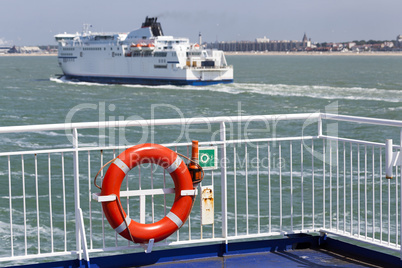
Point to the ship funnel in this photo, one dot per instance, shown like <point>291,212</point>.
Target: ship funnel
<point>156,27</point>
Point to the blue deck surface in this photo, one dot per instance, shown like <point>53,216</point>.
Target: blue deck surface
<point>290,258</point>
<point>295,251</point>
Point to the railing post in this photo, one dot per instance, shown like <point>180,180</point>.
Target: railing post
<point>320,125</point>
<point>76,194</point>
<point>400,200</point>
<point>388,159</point>
<point>224,180</point>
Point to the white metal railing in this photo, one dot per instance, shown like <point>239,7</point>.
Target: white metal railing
<point>275,183</point>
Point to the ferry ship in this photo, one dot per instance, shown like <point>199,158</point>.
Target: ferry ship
<point>143,56</point>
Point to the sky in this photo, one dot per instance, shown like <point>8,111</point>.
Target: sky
<point>35,22</point>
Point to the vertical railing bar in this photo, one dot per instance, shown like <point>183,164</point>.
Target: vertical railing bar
<point>400,185</point>
<point>224,182</point>
<point>373,185</point>
<point>381,194</point>
<point>139,178</point>
<point>302,183</point>
<point>280,186</point>
<point>37,201</point>
<point>77,204</point>
<point>103,214</point>
<point>127,198</point>
<point>63,179</point>
<point>24,204</point>
<point>246,167</point>
<point>291,184</point>
<point>201,228</point>
<point>269,189</point>
<point>189,217</point>
<point>337,186</point>
<point>323,183</point>
<point>213,224</point>
<point>11,208</point>
<point>235,187</point>
<point>152,196</point>
<point>127,206</point>
<point>365,191</point>
<point>258,189</point>
<point>90,201</point>
<point>358,190</point>
<point>189,227</point>
<point>164,195</point>
<point>50,204</point>
<point>312,184</point>
<point>330,184</point>
<point>344,187</point>
<point>389,211</point>
<point>396,206</point>
<point>351,189</point>
<point>178,231</point>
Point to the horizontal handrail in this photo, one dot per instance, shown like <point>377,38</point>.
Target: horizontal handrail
<point>156,122</point>
<point>199,120</point>
<point>362,120</point>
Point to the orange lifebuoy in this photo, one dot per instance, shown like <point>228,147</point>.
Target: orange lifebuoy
<point>141,154</point>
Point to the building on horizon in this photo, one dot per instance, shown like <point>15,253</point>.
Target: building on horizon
<point>262,45</point>
<point>398,42</point>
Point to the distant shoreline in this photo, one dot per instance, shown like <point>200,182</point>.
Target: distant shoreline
<point>315,53</point>
<point>27,55</point>
<point>269,53</point>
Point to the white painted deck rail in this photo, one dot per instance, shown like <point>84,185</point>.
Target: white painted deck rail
<point>277,175</point>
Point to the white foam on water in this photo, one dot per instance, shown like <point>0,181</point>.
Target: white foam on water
<point>63,80</point>
<point>312,91</point>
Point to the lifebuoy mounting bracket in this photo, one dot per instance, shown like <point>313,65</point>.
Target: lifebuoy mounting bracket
<point>106,198</point>
<point>148,247</point>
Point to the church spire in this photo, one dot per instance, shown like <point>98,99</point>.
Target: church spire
<point>304,38</point>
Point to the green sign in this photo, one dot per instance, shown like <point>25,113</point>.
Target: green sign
<point>208,157</point>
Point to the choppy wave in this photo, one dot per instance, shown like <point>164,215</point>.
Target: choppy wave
<point>63,80</point>
<point>312,91</point>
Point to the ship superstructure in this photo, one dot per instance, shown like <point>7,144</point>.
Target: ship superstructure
<point>143,56</point>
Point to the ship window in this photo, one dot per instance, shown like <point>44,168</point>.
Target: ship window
<point>157,66</point>
<point>160,54</point>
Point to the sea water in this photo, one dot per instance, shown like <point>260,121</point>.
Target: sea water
<point>31,93</point>
<point>362,86</point>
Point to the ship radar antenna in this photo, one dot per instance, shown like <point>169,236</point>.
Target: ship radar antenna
<point>85,28</point>
<point>200,38</point>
